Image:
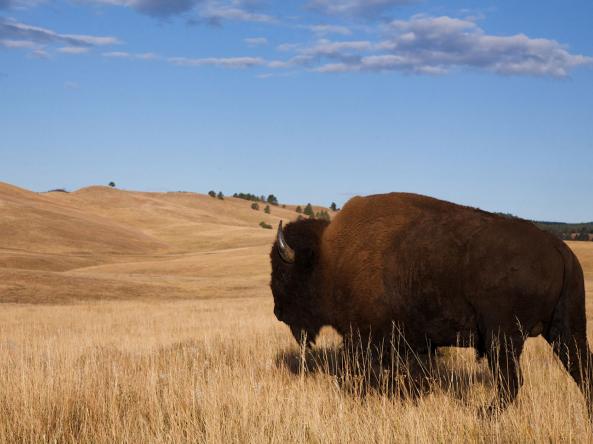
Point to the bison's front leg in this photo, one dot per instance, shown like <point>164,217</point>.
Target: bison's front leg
<point>305,337</point>
<point>503,355</point>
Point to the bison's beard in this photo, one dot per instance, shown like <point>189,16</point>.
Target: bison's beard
<point>304,336</point>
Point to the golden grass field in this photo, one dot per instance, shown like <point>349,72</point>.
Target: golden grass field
<point>147,317</point>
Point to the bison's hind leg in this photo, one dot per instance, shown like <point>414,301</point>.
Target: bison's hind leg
<point>567,334</point>
<point>569,342</point>
<point>574,354</point>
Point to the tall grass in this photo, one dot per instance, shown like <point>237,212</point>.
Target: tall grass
<point>226,370</point>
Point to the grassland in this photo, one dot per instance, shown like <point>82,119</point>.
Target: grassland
<point>146,317</point>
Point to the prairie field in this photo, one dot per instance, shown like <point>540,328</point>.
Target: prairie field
<point>147,317</point>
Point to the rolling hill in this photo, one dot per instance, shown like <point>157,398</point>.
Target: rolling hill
<point>105,243</point>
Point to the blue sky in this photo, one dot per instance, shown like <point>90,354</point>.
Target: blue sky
<point>313,100</point>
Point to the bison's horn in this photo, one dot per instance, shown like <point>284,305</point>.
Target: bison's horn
<point>286,253</point>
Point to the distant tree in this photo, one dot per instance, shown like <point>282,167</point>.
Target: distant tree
<point>323,215</point>
<point>283,206</point>
<point>265,225</point>
<point>333,207</point>
<point>247,196</point>
<point>212,193</point>
<point>262,198</point>
<point>255,206</point>
<point>309,210</point>
<point>112,184</point>
<point>272,200</point>
<point>267,209</point>
<point>220,195</point>
<point>583,235</point>
<point>299,209</point>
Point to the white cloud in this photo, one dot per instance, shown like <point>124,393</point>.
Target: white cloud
<point>437,45</point>
<point>40,53</point>
<point>128,55</point>
<point>73,49</point>
<point>225,62</point>
<point>288,47</point>
<point>337,49</point>
<point>19,4</point>
<point>322,30</point>
<point>118,54</point>
<point>18,44</point>
<point>154,8</point>
<point>256,41</point>
<point>299,60</point>
<point>146,56</point>
<point>11,29</point>
<point>215,12</point>
<point>356,7</point>
<point>345,51</point>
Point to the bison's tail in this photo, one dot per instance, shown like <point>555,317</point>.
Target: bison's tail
<point>567,332</point>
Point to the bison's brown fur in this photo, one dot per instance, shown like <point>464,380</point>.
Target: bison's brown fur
<point>443,275</point>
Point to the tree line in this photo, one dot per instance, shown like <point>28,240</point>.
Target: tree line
<point>565,231</point>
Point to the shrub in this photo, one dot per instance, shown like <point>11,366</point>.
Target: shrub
<point>299,209</point>
<point>220,195</point>
<point>333,207</point>
<point>265,225</point>
<point>267,209</point>
<point>309,210</point>
<point>212,193</point>
<point>255,206</point>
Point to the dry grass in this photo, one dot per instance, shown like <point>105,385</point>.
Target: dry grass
<point>224,370</point>
<point>148,319</point>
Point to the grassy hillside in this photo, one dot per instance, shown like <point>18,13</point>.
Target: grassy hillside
<point>105,243</point>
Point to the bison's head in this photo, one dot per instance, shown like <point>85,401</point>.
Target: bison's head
<point>296,277</point>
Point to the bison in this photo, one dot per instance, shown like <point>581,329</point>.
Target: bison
<point>444,274</point>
